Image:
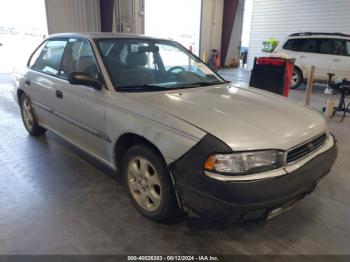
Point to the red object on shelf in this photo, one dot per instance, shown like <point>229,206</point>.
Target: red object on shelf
<point>273,74</point>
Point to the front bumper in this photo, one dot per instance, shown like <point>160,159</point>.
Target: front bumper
<point>237,201</point>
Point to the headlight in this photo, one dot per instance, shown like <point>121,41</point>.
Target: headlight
<point>245,162</point>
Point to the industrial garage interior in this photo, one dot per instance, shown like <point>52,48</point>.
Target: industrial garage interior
<point>57,200</point>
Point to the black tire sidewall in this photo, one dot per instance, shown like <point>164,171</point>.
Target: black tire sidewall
<point>167,207</point>
<point>300,78</point>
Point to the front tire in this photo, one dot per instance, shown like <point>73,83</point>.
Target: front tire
<point>28,117</point>
<point>297,78</point>
<point>148,183</point>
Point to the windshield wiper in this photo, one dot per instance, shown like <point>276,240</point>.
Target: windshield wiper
<point>154,87</point>
<point>138,88</point>
<point>199,83</point>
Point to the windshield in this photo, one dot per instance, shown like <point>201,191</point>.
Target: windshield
<point>138,65</point>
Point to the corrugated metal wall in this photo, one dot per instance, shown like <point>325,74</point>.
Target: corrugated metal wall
<point>279,18</point>
<point>73,15</point>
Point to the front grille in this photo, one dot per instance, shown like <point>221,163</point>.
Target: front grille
<point>306,148</point>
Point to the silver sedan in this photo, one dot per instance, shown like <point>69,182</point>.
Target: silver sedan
<point>180,135</point>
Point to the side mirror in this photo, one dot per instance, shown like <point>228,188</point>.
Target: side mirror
<point>86,79</point>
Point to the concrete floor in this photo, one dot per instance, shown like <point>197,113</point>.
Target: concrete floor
<point>56,200</point>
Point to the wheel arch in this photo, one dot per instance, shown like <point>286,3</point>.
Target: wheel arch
<point>128,139</point>
<point>125,141</point>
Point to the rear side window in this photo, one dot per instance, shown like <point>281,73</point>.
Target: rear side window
<point>340,47</point>
<point>294,44</point>
<point>49,59</point>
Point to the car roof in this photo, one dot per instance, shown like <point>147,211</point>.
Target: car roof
<point>319,35</point>
<point>100,35</point>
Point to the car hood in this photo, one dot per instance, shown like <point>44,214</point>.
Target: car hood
<point>243,118</point>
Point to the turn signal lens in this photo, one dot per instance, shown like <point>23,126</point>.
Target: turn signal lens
<point>210,163</point>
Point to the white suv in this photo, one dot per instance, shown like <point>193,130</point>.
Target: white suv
<point>328,52</point>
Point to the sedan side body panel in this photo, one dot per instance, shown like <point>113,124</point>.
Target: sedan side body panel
<point>173,137</point>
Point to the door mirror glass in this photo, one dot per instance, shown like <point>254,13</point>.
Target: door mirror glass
<point>86,79</point>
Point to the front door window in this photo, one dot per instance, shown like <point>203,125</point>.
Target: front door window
<point>78,57</point>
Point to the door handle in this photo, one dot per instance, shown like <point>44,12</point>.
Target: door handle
<point>302,56</point>
<point>59,94</point>
<point>27,82</point>
<point>336,60</point>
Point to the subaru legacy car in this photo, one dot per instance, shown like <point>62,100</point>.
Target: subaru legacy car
<point>181,136</point>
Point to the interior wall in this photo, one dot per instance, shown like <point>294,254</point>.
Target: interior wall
<point>211,26</point>
<point>73,16</point>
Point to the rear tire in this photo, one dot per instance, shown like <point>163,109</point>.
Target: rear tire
<point>148,183</point>
<point>297,78</point>
<point>28,117</point>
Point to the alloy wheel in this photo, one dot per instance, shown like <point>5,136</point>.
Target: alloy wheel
<point>27,114</point>
<point>144,183</point>
<point>295,79</point>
